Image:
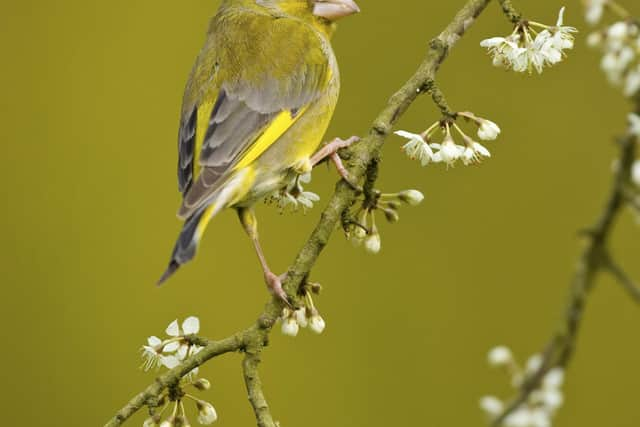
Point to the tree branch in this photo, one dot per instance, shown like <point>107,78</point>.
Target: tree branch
<point>252,340</point>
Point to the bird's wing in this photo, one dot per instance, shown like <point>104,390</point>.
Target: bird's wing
<point>255,77</point>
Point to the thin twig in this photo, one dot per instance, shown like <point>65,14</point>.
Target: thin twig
<point>623,278</point>
<point>510,12</point>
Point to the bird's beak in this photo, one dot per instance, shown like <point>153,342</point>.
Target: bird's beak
<point>335,9</point>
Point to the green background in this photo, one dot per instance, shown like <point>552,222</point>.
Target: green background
<point>91,96</point>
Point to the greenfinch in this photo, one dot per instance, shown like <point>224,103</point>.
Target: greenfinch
<point>255,109</point>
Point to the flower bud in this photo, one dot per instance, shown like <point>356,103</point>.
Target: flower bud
<point>202,384</point>
<point>181,421</point>
<point>315,288</point>
<point>290,327</point>
<point>206,412</point>
<point>151,422</point>
<point>635,173</point>
<point>168,423</point>
<point>491,405</point>
<point>500,356</point>
<point>372,243</point>
<point>391,215</point>
<point>411,197</point>
<point>488,130</point>
<point>301,317</point>
<point>317,324</point>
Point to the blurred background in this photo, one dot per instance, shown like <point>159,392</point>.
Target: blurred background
<point>90,106</point>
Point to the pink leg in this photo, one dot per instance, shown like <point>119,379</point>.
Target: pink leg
<point>274,283</point>
<point>330,151</point>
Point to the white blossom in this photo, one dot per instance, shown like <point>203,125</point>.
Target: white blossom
<point>634,124</point>
<point>618,31</point>
<point>491,405</point>
<point>500,356</point>
<point>594,10</point>
<point>632,82</point>
<point>373,243</point>
<point>301,317</point>
<point>635,173</point>
<point>522,52</point>
<point>206,413</point>
<point>292,196</point>
<point>488,130</point>
<point>521,417</point>
<point>170,352</point>
<point>290,327</point>
<point>411,197</point>
<point>541,404</point>
<point>594,39</point>
<point>534,363</point>
<point>417,148</point>
<point>317,324</point>
<point>150,422</point>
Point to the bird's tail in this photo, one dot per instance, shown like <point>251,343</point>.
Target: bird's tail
<point>188,240</point>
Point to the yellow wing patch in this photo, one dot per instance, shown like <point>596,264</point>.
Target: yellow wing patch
<point>271,134</point>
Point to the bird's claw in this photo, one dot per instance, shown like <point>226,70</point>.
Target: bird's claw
<point>274,284</point>
<point>330,150</point>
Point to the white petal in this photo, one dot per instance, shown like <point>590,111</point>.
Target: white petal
<point>191,325</point>
<point>181,354</point>
<point>491,405</point>
<point>635,173</point>
<point>317,324</point>
<point>492,42</point>
<point>554,378</point>
<point>171,347</point>
<point>169,362</point>
<point>480,149</point>
<point>173,330</point>
<point>500,356</point>
<point>372,243</point>
<point>206,413</point>
<point>301,317</point>
<point>534,363</point>
<point>560,17</point>
<point>594,13</point>
<point>409,135</point>
<point>290,327</point>
<point>154,341</point>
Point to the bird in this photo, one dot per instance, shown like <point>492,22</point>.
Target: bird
<point>255,109</point>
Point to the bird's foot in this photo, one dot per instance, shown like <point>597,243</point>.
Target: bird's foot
<point>274,284</point>
<point>330,150</point>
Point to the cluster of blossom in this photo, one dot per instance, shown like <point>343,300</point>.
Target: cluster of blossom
<point>293,196</point>
<point>525,49</point>
<point>620,44</point>
<point>306,316</point>
<point>542,404</point>
<point>364,231</point>
<point>420,146</point>
<point>169,353</point>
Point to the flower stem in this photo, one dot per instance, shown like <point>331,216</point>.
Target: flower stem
<point>510,12</point>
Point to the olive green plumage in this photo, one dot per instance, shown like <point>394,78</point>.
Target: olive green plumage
<point>256,106</point>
